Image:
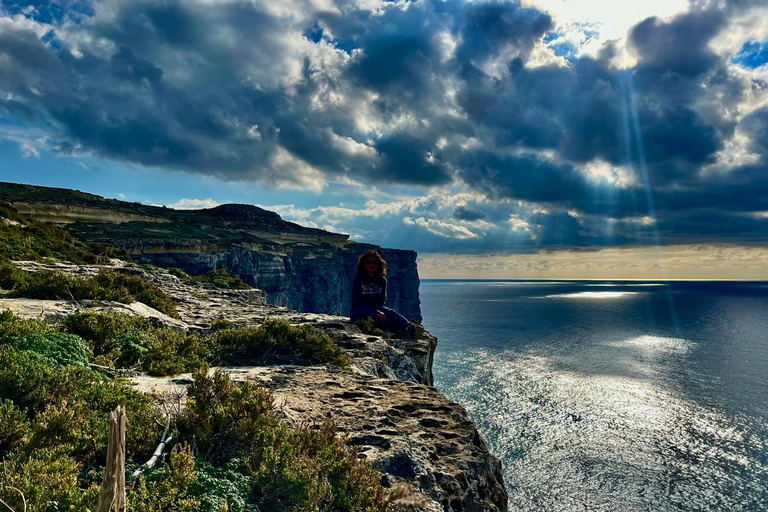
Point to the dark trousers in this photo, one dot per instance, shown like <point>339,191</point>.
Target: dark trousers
<point>395,321</point>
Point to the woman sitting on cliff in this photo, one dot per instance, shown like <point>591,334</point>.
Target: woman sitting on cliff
<point>369,293</point>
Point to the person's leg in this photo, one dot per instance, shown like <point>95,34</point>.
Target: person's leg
<point>395,321</point>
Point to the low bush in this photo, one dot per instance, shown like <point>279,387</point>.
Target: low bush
<point>12,327</point>
<point>69,405</point>
<point>46,479</point>
<point>171,352</point>
<point>167,488</point>
<point>367,326</point>
<point>174,271</point>
<point>57,347</point>
<point>106,285</point>
<point>278,339</point>
<point>15,428</point>
<point>221,279</point>
<point>235,427</point>
<point>220,324</point>
<point>11,276</point>
<point>100,328</point>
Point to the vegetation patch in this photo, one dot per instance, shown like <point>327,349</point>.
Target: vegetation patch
<point>278,341</point>
<point>232,452</point>
<point>124,342</point>
<point>108,284</point>
<point>221,279</point>
<point>367,326</point>
<point>27,239</point>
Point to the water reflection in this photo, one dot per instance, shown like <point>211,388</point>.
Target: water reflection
<point>589,295</point>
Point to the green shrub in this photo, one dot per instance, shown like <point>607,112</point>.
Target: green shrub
<point>106,285</point>
<point>12,327</point>
<point>47,480</point>
<point>14,428</point>
<point>69,405</point>
<point>11,276</point>
<point>221,279</point>
<point>131,288</point>
<point>174,271</point>
<point>166,489</point>
<point>303,469</point>
<point>312,469</point>
<point>226,420</point>
<point>220,324</point>
<point>277,338</point>
<point>216,486</point>
<point>57,347</point>
<point>124,341</point>
<point>99,328</point>
<point>367,326</point>
<point>173,352</point>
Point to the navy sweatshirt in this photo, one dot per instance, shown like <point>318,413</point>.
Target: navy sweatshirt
<point>368,291</point>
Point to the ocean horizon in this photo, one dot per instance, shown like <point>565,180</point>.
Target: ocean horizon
<point>611,394</point>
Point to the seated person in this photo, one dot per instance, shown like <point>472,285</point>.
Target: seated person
<point>369,293</point>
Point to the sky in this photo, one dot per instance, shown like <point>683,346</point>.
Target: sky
<point>499,139</point>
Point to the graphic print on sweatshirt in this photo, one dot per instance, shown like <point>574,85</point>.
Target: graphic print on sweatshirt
<point>372,289</point>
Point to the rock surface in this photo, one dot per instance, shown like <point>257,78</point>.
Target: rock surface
<point>386,404</point>
<point>304,269</point>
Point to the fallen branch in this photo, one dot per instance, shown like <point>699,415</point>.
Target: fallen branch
<point>160,447</point>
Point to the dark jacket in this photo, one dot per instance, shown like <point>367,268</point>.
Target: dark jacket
<point>368,291</point>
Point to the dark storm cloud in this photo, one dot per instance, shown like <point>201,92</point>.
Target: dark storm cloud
<point>464,213</point>
<point>420,93</point>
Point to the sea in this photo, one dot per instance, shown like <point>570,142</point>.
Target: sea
<point>612,396</point>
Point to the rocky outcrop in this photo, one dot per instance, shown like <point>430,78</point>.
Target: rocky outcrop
<point>385,403</point>
<point>304,269</point>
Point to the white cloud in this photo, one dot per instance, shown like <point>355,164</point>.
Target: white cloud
<point>613,19</point>
<point>190,204</point>
<point>441,228</point>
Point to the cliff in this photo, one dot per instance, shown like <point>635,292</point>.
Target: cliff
<point>384,403</point>
<point>304,269</point>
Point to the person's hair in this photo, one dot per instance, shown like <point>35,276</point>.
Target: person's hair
<point>372,254</point>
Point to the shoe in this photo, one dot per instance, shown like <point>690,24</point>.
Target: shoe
<point>415,330</point>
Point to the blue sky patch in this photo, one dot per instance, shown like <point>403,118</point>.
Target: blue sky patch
<point>752,55</point>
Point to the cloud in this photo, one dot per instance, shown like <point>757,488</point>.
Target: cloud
<point>527,110</point>
<point>464,213</point>
<point>191,204</point>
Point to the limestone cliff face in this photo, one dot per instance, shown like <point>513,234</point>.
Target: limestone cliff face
<point>302,268</point>
<point>314,278</point>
